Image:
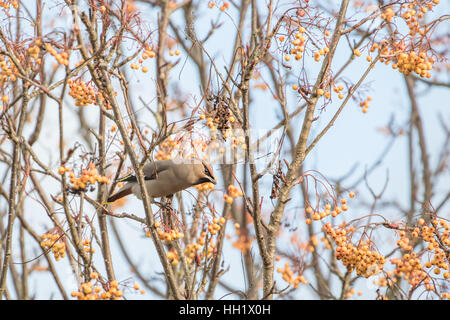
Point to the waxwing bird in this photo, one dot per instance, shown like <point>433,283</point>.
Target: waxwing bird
<point>166,177</point>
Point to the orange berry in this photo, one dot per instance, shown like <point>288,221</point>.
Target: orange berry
<point>94,275</point>
<point>114,284</point>
<point>316,216</point>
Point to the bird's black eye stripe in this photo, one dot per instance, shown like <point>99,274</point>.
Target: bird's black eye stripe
<point>207,172</point>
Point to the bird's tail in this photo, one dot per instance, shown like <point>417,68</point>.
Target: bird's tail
<point>125,191</point>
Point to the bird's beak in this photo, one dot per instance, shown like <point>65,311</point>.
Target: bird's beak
<point>207,179</point>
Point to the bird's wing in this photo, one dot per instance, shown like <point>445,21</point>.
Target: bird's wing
<point>128,178</point>
<point>151,170</point>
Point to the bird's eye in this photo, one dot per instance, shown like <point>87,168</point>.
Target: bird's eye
<point>207,172</point>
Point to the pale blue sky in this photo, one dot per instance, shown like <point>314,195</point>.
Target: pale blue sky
<point>353,139</point>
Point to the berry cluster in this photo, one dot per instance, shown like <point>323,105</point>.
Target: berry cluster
<point>174,52</point>
<point>224,125</point>
<point>298,46</point>
<point>213,123</point>
<point>170,235</point>
<point>87,246</point>
<point>409,265</point>
<point>216,225</point>
<point>53,241</point>
<point>351,292</point>
<point>204,246</point>
<point>244,241</point>
<point>34,50</point>
<point>413,12</point>
<point>148,53</point>
<point>410,268</point>
<point>317,214</point>
<point>437,237</point>
<point>418,63</point>
<point>190,251</point>
<point>62,58</point>
<point>220,118</point>
<point>234,193</point>
<point>205,186</point>
<point>338,90</point>
<point>88,177</point>
<point>225,5</point>
<point>166,148</point>
<point>388,14</point>
<point>201,248</point>
<point>83,93</point>
<point>360,257</point>
<point>410,53</point>
<point>327,94</point>
<point>365,104</point>
<point>172,256</point>
<point>7,4</point>
<point>88,291</point>
<point>222,121</point>
<point>8,71</point>
<point>320,52</point>
<point>288,276</point>
<point>136,66</point>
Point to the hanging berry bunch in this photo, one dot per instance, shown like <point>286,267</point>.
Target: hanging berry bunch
<point>276,182</point>
<point>221,115</point>
<point>88,177</point>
